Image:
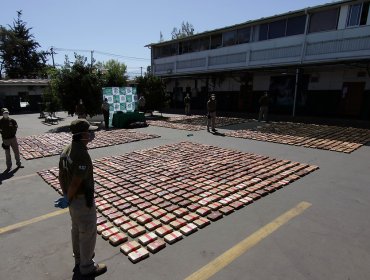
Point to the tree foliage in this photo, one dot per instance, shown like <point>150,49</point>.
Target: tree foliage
<point>114,73</point>
<point>186,29</point>
<point>153,90</point>
<point>18,51</point>
<point>75,81</point>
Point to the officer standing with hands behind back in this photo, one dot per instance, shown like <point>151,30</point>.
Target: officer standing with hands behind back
<point>77,182</point>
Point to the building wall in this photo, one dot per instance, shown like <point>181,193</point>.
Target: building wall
<point>9,97</point>
<point>14,90</point>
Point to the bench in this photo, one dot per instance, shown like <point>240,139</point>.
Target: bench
<point>51,118</point>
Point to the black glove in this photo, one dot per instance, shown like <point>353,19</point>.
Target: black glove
<point>5,147</point>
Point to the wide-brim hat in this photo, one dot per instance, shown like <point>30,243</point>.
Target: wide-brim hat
<point>81,125</point>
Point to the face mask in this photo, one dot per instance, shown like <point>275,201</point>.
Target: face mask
<point>91,137</point>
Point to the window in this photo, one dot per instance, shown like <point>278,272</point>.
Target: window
<point>184,47</point>
<point>263,34</point>
<point>243,35</point>
<point>229,38</point>
<point>157,52</point>
<point>194,45</point>
<point>324,20</point>
<point>277,29</point>
<point>204,43</point>
<point>296,25</point>
<point>165,51</point>
<point>216,41</point>
<point>173,49</point>
<point>364,13</point>
<point>357,14</point>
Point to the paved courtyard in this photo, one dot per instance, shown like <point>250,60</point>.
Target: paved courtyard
<point>170,198</point>
<point>211,206</point>
<point>194,122</point>
<point>333,138</point>
<point>50,144</point>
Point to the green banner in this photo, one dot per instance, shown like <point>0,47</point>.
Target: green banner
<point>120,99</point>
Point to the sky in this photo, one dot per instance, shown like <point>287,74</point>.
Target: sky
<point>120,29</point>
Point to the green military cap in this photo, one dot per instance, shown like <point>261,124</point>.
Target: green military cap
<point>81,125</point>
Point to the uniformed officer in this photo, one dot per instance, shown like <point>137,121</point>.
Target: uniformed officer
<point>77,182</point>
<point>8,129</point>
<point>211,109</point>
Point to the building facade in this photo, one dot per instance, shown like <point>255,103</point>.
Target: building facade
<point>22,95</point>
<point>314,61</point>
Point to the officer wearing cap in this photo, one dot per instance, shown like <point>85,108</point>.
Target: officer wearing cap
<point>8,129</point>
<point>77,182</point>
<point>211,112</point>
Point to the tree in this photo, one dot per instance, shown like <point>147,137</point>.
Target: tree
<point>114,74</point>
<point>153,90</point>
<point>186,30</point>
<point>18,52</point>
<point>79,81</point>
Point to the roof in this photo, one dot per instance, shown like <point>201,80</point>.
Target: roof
<point>250,22</point>
<point>24,82</point>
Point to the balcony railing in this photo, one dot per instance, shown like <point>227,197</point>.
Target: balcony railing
<point>327,46</point>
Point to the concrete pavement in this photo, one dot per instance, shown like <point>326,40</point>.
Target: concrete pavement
<point>329,240</point>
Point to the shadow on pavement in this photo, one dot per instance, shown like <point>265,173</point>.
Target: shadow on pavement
<point>7,175</point>
<point>216,133</point>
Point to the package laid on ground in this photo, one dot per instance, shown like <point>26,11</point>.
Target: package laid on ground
<point>104,227</point>
<point>130,246</point>
<point>136,231</point>
<point>153,225</point>
<point>163,230</point>
<point>147,238</point>
<point>214,216</point>
<point>156,246</point>
<point>109,232</point>
<point>173,237</point>
<point>138,255</point>
<point>118,238</point>
<point>201,222</point>
<point>188,229</point>
<point>121,220</point>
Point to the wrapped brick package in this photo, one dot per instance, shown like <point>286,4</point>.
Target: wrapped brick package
<point>156,246</point>
<point>118,238</point>
<point>130,246</point>
<point>138,255</point>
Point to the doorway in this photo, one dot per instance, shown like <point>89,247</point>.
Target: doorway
<point>351,99</point>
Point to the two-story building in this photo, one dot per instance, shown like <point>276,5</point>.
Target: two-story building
<point>313,61</point>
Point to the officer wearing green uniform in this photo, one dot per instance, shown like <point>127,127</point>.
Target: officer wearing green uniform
<point>8,129</point>
<point>77,182</point>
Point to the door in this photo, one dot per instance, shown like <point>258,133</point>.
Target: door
<point>352,95</point>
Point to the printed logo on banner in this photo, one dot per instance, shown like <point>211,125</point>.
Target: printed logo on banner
<point>109,98</point>
<point>122,98</point>
<point>129,98</point>
<point>128,90</point>
<point>129,106</point>
<point>117,99</point>
<point>117,107</point>
<point>123,107</point>
<point>115,91</point>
